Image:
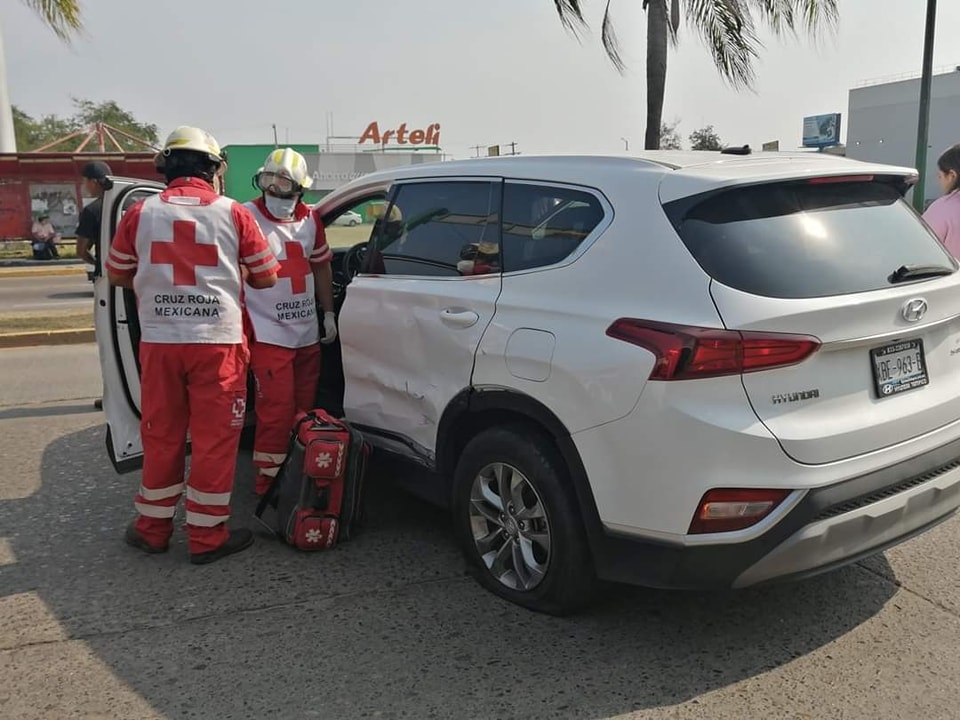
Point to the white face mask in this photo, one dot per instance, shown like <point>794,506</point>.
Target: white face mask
<point>280,208</point>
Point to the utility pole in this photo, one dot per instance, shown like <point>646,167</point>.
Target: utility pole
<point>476,149</point>
<point>513,148</point>
<point>276,142</point>
<point>923,126</point>
<point>8,135</point>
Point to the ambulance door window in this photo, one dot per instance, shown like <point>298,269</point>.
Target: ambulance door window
<point>128,299</point>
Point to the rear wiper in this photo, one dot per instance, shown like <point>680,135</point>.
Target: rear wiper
<point>916,272</point>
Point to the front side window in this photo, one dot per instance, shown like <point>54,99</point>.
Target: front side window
<point>439,229</point>
<point>353,224</point>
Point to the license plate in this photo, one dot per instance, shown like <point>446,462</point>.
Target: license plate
<point>898,367</point>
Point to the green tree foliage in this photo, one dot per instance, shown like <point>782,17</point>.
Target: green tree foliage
<point>33,133</point>
<point>706,138</point>
<point>730,30</point>
<point>670,136</point>
<point>61,16</point>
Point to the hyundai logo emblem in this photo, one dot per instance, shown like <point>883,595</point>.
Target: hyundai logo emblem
<point>913,310</point>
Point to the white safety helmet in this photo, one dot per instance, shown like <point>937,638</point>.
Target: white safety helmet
<point>284,172</point>
<point>191,138</point>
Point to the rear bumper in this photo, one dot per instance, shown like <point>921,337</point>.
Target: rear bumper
<point>829,527</point>
<point>845,538</point>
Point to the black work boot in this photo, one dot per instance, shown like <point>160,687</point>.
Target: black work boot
<point>136,540</point>
<point>238,541</point>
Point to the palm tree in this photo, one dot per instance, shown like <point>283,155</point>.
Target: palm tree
<point>727,27</point>
<point>61,16</point>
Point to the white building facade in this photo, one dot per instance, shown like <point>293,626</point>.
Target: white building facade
<point>882,123</point>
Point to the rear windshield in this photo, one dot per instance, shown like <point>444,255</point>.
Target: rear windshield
<point>802,240</point>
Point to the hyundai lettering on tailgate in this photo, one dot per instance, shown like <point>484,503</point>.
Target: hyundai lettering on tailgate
<point>899,367</point>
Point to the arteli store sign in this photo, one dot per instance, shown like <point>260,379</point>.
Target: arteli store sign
<point>402,135</point>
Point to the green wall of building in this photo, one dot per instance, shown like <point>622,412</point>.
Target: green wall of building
<point>243,161</point>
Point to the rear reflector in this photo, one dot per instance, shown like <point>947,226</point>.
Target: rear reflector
<point>686,353</point>
<point>729,510</point>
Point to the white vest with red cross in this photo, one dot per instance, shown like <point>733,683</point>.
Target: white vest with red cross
<point>188,281</point>
<point>286,314</point>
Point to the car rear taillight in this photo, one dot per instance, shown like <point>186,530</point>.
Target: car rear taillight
<point>686,353</point>
<point>729,510</point>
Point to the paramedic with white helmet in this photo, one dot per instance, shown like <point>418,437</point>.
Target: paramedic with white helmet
<point>186,253</point>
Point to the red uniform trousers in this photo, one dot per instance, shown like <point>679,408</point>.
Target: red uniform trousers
<point>203,389</point>
<point>286,381</point>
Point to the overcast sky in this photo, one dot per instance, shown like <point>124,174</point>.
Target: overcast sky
<point>490,71</point>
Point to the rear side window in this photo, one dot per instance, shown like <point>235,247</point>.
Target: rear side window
<point>802,240</point>
<point>543,225</point>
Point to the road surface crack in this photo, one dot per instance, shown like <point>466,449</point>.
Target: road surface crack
<point>896,582</point>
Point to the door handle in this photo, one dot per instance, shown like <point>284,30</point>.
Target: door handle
<point>458,317</point>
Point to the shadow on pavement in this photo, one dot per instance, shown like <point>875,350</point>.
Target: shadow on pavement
<point>387,624</point>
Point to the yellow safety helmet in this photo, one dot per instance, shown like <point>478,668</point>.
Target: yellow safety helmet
<point>191,138</point>
<point>285,170</point>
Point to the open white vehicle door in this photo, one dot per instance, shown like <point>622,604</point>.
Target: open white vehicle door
<point>118,335</point>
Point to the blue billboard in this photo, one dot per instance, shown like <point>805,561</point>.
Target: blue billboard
<point>820,131</point>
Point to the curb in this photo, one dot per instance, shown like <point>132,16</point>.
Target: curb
<point>47,337</point>
<point>21,272</point>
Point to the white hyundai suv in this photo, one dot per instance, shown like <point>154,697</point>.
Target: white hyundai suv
<point>681,370</point>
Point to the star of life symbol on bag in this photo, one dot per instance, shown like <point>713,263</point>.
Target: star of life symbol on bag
<point>238,411</point>
<point>314,535</point>
<point>324,460</point>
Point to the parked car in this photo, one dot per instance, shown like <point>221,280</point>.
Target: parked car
<point>349,218</point>
<point>680,370</point>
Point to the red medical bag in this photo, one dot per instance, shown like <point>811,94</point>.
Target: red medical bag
<point>318,492</point>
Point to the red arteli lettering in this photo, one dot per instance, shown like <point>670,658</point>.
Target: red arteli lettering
<point>401,136</point>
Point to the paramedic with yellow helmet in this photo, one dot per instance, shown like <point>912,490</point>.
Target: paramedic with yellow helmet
<point>285,351</point>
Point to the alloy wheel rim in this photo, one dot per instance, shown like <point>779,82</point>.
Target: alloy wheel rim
<point>510,527</point>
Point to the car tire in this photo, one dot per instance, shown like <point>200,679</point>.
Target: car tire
<point>532,551</point>
<point>353,223</point>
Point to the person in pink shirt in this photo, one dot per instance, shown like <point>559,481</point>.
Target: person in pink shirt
<point>943,215</point>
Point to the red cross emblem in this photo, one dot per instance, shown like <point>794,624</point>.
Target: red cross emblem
<point>295,266</point>
<point>184,253</point>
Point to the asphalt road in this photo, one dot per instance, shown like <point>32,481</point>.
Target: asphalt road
<point>45,292</point>
<point>388,625</point>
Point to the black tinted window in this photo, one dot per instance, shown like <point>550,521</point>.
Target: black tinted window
<point>798,240</point>
<point>447,229</point>
<point>544,225</point>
